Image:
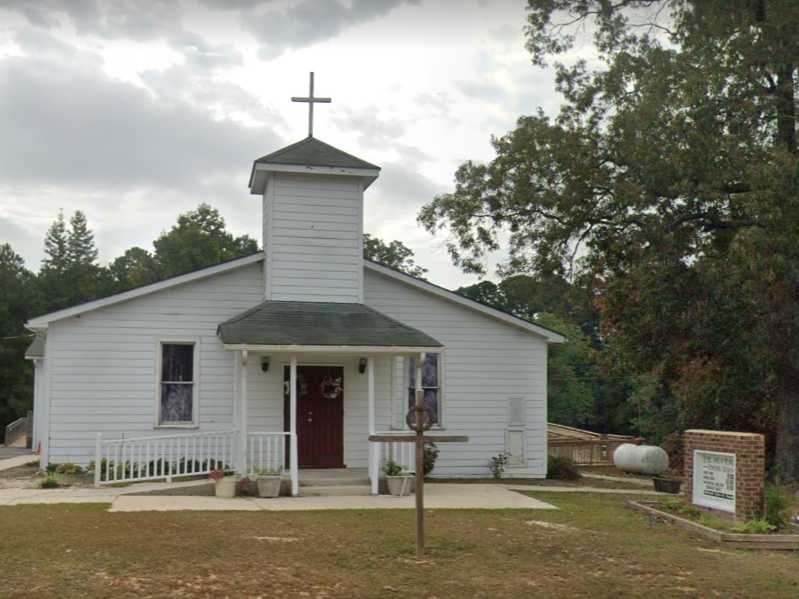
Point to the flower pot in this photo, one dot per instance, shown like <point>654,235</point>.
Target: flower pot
<point>400,485</point>
<point>667,485</point>
<point>268,486</point>
<point>226,487</point>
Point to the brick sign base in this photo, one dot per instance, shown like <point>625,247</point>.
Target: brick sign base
<point>750,468</point>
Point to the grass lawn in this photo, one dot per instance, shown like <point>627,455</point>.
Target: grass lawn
<point>592,547</point>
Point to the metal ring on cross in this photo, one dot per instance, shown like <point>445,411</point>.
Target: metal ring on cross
<point>428,419</point>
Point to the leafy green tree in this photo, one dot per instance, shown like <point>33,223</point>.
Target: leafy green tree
<point>571,375</point>
<point>672,172</point>
<point>394,254</point>
<point>199,239</point>
<point>18,302</point>
<point>134,268</point>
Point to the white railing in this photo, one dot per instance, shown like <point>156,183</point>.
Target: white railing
<point>167,456</point>
<point>17,432</point>
<point>266,451</point>
<point>402,452</point>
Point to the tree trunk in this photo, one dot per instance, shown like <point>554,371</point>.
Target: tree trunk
<point>787,450</point>
<point>786,108</point>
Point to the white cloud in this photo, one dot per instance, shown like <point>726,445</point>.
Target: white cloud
<point>137,111</point>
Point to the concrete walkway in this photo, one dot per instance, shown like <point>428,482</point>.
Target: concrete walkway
<point>490,497</point>
<point>18,460</point>
<point>452,496</point>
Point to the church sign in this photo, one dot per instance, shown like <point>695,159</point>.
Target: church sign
<point>714,480</point>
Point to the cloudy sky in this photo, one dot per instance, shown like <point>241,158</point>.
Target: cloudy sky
<point>136,111</point>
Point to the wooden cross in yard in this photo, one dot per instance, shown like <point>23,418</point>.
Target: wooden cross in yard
<point>420,439</point>
<point>311,100</point>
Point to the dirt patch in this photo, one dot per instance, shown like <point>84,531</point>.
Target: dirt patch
<point>21,477</point>
<point>551,526</point>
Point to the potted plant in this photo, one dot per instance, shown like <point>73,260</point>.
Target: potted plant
<point>399,482</point>
<point>225,486</point>
<point>268,482</point>
<point>667,484</point>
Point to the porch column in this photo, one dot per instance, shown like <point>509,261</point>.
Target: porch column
<point>295,468</point>
<point>374,449</point>
<point>242,450</point>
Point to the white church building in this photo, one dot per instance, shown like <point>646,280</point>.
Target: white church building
<point>289,358</point>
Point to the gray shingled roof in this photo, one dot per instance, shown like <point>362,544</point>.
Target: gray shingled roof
<point>320,323</point>
<point>36,348</point>
<point>313,152</point>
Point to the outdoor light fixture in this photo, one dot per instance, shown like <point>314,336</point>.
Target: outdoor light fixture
<point>362,365</point>
<point>265,363</point>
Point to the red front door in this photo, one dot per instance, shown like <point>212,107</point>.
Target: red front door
<point>320,415</point>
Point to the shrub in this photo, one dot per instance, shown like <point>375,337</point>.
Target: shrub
<point>391,468</point>
<point>430,457</point>
<point>672,504</point>
<point>69,469</point>
<point>755,527</point>
<point>497,464</point>
<point>562,468</point>
<point>778,507</point>
<point>49,483</point>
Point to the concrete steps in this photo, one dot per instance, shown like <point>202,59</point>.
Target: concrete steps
<point>334,483</point>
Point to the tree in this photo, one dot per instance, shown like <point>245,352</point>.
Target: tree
<point>571,376</point>
<point>53,280</point>
<point>81,250</point>
<point>670,178</point>
<point>56,252</point>
<point>199,239</point>
<point>134,268</point>
<point>394,255</point>
<point>18,302</point>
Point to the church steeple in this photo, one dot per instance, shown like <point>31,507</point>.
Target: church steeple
<point>312,218</point>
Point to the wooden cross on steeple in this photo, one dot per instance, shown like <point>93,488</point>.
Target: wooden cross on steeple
<point>311,100</point>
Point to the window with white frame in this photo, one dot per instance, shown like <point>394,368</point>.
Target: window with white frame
<point>431,384</point>
<point>177,389</point>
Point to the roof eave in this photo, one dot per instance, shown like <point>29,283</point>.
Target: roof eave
<point>397,350</point>
<point>40,323</point>
<point>260,173</point>
<point>551,337</point>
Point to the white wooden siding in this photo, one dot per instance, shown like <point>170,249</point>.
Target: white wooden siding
<point>486,363</point>
<point>100,372</point>
<point>102,365</point>
<point>313,227</point>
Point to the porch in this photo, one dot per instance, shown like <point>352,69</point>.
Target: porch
<point>311,383</point>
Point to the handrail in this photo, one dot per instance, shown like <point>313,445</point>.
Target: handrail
<point>12,428</point>
<point>163,456</point>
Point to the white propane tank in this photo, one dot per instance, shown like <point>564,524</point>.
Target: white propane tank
<point>640,459</point>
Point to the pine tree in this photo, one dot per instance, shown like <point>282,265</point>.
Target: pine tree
<point>55,245</point>
<point>81,250</point>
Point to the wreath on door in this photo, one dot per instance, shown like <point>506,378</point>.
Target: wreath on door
<point>330,388</point>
